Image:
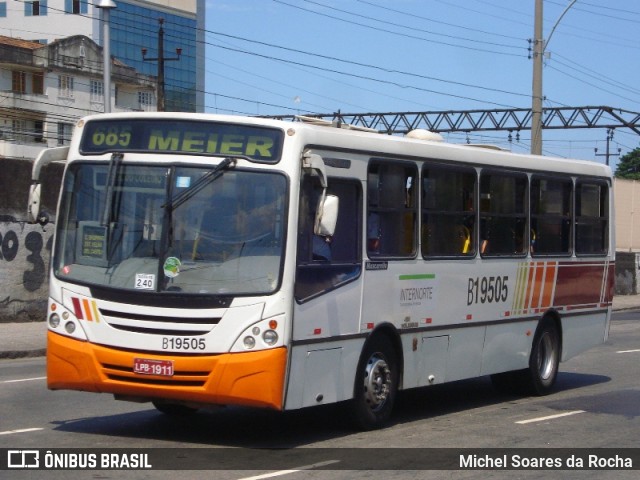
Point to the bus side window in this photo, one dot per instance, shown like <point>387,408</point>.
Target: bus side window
<point>391,209</point>
<point>503,217</point>
<point>448,211</point>
<point>592,218</point>
<point>325,263</point>
<point>551,215</point>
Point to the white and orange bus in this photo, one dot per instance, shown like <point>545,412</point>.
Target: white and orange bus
<point>221,260</point>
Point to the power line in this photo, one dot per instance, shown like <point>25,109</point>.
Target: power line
<point>414,37</point>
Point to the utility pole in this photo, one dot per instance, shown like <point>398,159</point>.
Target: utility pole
<point>106,6</point>
<point>539,49</point>
<point>607,153</point>
<point>536,97</point>
<point>160,59</point>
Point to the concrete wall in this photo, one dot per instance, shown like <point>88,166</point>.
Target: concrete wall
<point>24,249</point>
<point>627,271</point>
<point>627,202</point>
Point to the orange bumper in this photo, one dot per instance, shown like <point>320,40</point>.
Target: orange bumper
<point>251,378</point>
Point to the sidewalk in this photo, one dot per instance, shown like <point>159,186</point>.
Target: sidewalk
<point>28,339</point>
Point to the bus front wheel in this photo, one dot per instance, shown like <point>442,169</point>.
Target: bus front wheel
<point>376,384</point>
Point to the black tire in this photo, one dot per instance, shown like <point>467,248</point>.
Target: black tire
<point>174,409</point>
<point>376,384</point>
<point>545,358</point>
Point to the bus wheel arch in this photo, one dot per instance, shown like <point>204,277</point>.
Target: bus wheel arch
<point>377,379</point>
<point>546,350</point>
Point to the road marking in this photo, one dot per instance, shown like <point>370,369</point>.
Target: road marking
<point>23,430</point>
<point>293,470</point>
<point>550,417</point>
<point>629,351</point>
<point>24,380</point>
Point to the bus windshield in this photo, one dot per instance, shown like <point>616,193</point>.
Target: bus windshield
<point>122,229</point>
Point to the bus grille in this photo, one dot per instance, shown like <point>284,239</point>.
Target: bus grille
<point>159,325</point>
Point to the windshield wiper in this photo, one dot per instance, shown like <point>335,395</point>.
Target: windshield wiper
<point>199,184</point>
<point>114,166</point>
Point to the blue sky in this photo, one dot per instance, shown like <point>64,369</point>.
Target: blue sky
<point>319,56</point>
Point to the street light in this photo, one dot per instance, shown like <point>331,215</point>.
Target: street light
<point>106,6</point>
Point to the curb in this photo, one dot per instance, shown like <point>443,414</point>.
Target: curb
<point>13,354</point>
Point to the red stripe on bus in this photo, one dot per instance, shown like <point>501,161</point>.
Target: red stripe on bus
<point>77,308</point>
<point>579,284</point>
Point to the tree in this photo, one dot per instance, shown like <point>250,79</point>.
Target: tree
<point>629,165</point>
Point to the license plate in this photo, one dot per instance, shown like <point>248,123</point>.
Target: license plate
<point>146,366</point>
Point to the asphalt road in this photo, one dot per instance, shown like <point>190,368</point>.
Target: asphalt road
<point>596,405</point>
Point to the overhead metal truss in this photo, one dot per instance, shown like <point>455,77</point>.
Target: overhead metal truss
<point>512,120</point>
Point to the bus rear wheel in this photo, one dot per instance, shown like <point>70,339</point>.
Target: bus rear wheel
<point>545,358</point>
<point>376,384</point>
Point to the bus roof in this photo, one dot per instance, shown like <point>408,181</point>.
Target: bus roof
<point>348,138</point>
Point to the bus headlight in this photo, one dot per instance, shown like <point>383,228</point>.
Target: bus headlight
<point>265,333</point>
<point>70,327</point>
<point>54,320</point>
<point>270,337</point>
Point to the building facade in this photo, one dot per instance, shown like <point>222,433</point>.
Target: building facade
<point>44,89</point>
<point>134,25</point>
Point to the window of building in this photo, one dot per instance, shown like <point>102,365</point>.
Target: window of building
<point>326,263</point>
<point>97,91</point>
<point>65,86</point>
<point>64,133</point>
<point>503,213</point>
<point>448,211</point>
<point>592,218</point>
<point>392,209</point>
<point>38,131</point>
<point>35,8</point>
<point>3,9</point>
<point>37,79</point>
<point>76,7</point>
<point>19,129</point>
<point>145,100</point>
<point>551,216</point>
<point>18,81</point>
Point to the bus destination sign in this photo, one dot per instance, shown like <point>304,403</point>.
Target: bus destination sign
<point>181,136</point>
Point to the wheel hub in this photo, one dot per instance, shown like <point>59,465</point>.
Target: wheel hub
<point>377,382</point>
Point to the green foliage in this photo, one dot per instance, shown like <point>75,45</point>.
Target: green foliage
<point>629,166</point>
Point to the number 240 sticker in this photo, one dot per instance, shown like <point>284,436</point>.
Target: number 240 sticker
<point>145,281</point>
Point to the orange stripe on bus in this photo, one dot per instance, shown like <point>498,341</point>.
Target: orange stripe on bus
<point>549,282</point>
<point>537,286</point>
<point>87,309</point>
<point>530,282</point>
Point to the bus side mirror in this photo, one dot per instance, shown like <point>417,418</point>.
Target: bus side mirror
<point>33,208</point>
<point>34,215</point>
<point>45,157</point>
<point>326,216</point>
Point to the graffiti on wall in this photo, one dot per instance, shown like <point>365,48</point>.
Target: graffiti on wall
<point>25,252</point>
